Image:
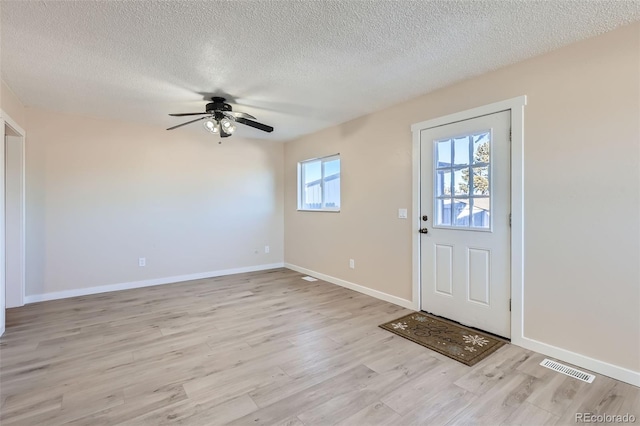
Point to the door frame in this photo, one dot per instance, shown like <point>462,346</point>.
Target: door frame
<point>7,121</point>
<point>516,107</point>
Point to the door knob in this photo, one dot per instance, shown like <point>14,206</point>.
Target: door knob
<point>423,230</point>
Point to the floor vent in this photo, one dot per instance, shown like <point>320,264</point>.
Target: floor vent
<point>308,278</point>
<point>569,371</point>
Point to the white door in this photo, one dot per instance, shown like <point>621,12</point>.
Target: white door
<point>464,207</point>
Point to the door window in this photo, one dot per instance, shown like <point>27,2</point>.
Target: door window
<point>462,196</point>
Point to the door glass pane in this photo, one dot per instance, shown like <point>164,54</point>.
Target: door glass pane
<point>481,180</point>
<point>461,151</point>
<point>443,212</point>
<point>481,148</point>
<point>443,153</point>
<point>461,181</point>
<point>443,182</point>
<point>481,217</point>
<point>461,212</point>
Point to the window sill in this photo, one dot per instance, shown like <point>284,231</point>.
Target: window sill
<point>320,210</point>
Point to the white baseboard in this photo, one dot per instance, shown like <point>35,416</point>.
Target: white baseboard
<point>597,366</point>
<point>356,287</point>
<point>145,283</point>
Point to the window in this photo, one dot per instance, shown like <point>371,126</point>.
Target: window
<point>319,184</point>
<point>463,182</point>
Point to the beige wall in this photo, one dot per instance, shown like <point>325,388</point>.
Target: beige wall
<point>582,189</point>
<point>12,106</point>
<point>101,194</point>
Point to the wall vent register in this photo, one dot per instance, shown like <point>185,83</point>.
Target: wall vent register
<point>569,371</point>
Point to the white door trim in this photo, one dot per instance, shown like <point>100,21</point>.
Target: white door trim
<point>11,123</point>
<point>6,120</point>
<point>516,106</point>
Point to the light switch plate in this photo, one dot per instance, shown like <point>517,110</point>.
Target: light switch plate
<point>402,213</point>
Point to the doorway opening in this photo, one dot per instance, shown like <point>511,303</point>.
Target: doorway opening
<point>12,278</point>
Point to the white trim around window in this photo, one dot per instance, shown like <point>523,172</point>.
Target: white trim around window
<point>319,184</point>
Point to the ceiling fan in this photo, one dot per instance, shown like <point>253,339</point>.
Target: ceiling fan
<point>220,118</point>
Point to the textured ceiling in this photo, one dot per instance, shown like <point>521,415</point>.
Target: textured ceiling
<point>299,66</point>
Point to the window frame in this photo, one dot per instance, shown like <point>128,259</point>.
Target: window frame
<point>301,185</point>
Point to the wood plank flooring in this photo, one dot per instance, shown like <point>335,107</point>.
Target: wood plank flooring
<point>265,348</point>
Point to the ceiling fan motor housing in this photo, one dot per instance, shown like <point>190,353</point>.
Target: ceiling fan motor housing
<point>218,104</point>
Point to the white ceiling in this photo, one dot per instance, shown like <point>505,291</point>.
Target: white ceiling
<point>299,66</point>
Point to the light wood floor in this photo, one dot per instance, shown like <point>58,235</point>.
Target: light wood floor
<point>265,348</point>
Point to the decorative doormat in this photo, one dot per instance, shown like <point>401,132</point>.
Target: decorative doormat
<point>458,342</point>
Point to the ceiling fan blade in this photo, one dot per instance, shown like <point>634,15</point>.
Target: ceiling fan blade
<point>255,124</point>
<point>188,113</point>
<point>237,114</point>
<point>188,122</point>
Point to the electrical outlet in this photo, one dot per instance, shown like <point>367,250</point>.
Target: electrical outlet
<point>352,264</point>
<point>266,249</point>
<point>142,261</point>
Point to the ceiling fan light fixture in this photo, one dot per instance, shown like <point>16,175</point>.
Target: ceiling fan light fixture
<point>227,125</point>
<point>212,126</point>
